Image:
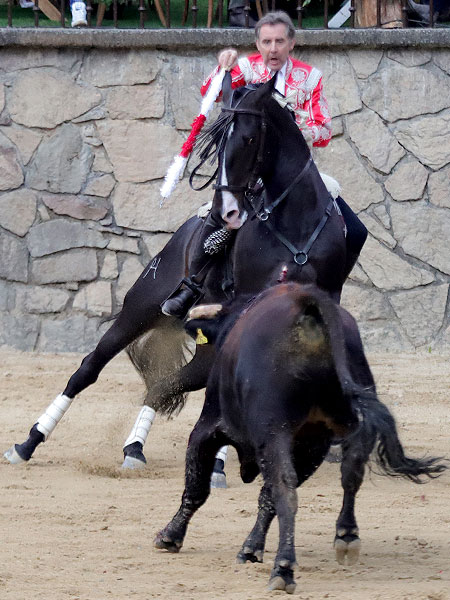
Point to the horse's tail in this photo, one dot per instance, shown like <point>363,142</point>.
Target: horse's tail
<point>157,355</point>
<point>378,423</point>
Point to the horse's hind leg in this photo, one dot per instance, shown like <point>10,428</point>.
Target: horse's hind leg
<point>138,314</point>
<point>355,455</point>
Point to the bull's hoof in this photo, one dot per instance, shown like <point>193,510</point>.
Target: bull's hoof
<point>248,554</point>
<point>347,548</point>
<point>163,542</point>
<point>13,456</point>
<point>218,480</point>
<point>282,578</point>
<point>133,456</point>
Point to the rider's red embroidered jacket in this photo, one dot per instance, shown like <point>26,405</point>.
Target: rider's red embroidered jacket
<point>301,80</point>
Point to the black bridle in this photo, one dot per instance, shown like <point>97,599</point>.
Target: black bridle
<point>211,153</point>
<point>250,187</point>
<point>301,256</point>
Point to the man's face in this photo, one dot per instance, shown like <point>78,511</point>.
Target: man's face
<point>274,45</point>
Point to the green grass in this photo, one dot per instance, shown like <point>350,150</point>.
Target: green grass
<point>129,19</point>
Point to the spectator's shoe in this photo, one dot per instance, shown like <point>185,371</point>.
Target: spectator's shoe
<point>78,14</point>
<point>26,3</point>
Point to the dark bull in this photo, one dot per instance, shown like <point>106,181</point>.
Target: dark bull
<point>290,378</point>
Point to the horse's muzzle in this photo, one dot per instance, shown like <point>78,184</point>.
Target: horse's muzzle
<point>231,214</point>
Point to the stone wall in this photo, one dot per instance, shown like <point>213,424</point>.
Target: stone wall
<point>89,124</point>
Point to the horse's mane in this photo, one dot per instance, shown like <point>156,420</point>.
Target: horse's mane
<point>211,141</point>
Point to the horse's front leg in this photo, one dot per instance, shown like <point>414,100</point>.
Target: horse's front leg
<point>355,455</point>
<point>202,447</point>
<point>139,313</point>
<point>253,548</point>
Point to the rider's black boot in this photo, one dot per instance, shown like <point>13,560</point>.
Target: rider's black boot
<point>179,303</point>
<point>356,235</point>
<point>212,240</point>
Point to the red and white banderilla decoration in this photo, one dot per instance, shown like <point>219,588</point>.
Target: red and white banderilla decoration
<point>176,169</point>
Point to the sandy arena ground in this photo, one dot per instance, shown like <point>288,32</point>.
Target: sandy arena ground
<point>73,526</point>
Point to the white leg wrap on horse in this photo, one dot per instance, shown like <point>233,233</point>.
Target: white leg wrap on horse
<point>142,426</point>
<point>53,415</point>
<point>222,454</point>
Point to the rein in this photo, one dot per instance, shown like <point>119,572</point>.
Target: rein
<point>301,256</point>
<point>264,214</point>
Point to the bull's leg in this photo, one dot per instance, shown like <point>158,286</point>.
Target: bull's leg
<point>355,455</point>
<point>203,444</point>
<point>279,474</point>
<point>253,548</point>
<point>139,313</point>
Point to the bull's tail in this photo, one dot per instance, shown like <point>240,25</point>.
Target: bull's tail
<point>325,343</point>
<point>377,423</point>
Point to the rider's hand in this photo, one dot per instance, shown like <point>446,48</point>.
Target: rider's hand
<point>227,59</point>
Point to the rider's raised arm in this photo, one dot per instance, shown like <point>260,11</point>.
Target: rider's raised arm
<point>319,119</point>
<point>227,59</point>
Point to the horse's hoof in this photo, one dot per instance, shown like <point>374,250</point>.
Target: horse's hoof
<point>163,542</point>
<point>130,462</point>
<point>347,552</point>
<point>247,554</point>
<point>13,456</point>
<point>218,480</point>
<point>133,456</point>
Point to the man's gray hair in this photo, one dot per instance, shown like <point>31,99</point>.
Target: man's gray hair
<point>274,18</point>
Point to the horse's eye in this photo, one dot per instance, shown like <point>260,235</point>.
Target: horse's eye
<point>249,141</point>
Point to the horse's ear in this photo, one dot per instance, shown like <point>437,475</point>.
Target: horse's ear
<point>266,90</point>
<point>227,89</point>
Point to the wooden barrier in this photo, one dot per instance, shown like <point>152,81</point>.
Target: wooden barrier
<point>366,13</point>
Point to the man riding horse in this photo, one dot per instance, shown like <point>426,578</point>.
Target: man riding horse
<point>264,250</point>
<point>301,84</point>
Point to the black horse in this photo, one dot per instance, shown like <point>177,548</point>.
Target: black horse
<point>295,230</point>
<point>289,377</point>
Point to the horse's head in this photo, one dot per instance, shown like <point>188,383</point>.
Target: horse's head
<point>261,136</point>
<point>249,139</point>
<point>243,149</point>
